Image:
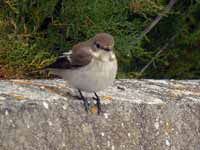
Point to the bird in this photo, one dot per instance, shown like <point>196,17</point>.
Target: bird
<point>91,66</point>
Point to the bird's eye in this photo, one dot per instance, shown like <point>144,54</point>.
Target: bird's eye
<point>97,45</point>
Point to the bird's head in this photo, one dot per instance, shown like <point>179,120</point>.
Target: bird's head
<point>102,47</point>
<point>103,42</point>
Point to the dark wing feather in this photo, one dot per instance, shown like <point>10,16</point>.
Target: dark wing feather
<point>62,62</point>
<point>79,57</point>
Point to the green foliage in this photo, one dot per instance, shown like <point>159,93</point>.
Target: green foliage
<point>34,32</point>
<point>20,58</point>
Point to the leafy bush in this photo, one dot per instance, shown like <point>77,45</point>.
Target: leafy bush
<point>34,32</point>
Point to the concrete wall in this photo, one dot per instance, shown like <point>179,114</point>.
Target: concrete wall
<point>136,115</point>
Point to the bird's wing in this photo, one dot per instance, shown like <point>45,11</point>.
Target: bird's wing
<point>79,56</point>
<point>62,62</point>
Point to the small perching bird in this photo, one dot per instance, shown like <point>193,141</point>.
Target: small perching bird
<point>91,66</point>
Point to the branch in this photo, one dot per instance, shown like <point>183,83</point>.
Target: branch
<point>157,54</point>
<point>158,18</point>
<point>151,26</point>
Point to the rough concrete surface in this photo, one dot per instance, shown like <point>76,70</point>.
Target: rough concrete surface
<point>137,115</point>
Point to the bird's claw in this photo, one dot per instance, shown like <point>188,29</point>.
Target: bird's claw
<point>86,105</point>
<point>98,103</point>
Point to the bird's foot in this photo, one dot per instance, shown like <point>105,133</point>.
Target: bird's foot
<point>86,105</point>
<point>85,102</point>
<point>98,103</point>
<point>78,97</point>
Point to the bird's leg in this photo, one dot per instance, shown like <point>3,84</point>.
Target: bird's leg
<point>98,103</point>
<point>86,105</point>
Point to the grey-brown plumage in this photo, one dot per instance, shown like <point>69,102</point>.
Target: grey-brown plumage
<point>80,55</point>
<point>90,67</point>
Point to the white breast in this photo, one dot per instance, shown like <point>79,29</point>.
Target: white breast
<point>94,77</point>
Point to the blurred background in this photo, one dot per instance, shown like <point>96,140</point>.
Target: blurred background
<point>157,39</point>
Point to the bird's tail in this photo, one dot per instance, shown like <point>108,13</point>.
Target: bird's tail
<point>62,62</point>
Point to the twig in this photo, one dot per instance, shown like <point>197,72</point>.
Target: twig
<point>150,27</point>
<point>157,54</point>
<point>158,18</point>
<point>155,21</point>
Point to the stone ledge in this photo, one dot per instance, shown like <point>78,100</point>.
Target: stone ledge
<point>137,115</point>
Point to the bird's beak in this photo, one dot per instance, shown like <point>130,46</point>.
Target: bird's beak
<point>110,46</point>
